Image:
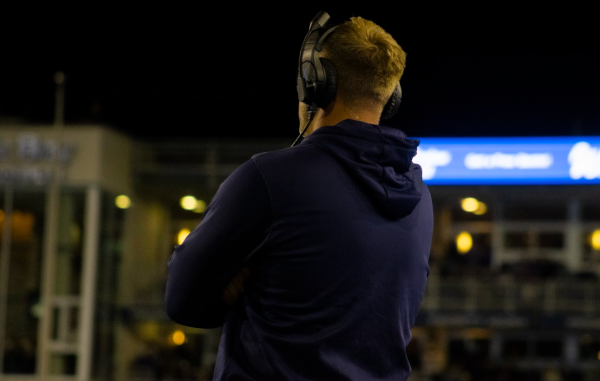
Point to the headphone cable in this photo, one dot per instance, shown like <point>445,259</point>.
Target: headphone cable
<point>311,114</point>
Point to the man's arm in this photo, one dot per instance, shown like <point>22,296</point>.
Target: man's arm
<point>202,268</point>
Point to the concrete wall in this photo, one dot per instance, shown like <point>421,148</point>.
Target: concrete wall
<point>88,154</point>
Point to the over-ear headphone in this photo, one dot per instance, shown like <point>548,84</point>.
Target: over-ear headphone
<point>316,79</point>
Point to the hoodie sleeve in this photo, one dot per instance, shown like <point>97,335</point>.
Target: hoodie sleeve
<point>233,226</point>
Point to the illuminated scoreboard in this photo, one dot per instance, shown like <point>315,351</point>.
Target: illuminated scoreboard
<point>510,160</point>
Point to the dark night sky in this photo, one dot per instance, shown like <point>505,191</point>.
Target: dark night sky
<point>168,70</point>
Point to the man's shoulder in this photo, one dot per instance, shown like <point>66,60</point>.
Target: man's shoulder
<point>285,161</point>
<point>287,153</point>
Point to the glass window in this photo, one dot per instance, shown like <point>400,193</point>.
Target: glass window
<point>550,348</point>
<point>107,313</point>
<point>517,240</point>
<point>535,210</point>
<point>24,272</point>
<point>70,243</point>
<point>514,348</point>
<point>589,347</point>
<point>551,240</point>
<point>590,211</point>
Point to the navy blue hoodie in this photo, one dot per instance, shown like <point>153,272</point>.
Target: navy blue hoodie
<point>336,232</point>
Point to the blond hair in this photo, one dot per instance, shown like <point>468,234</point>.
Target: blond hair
<point>367,59</point>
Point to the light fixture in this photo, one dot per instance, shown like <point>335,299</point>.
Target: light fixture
<point>178,337</point>
<point>481,209</point>
<point>464,242</point>
<point>122,201</point>
<point>595,239</point>
<point>183,233</point>
<point>200,206</point>
<point>469,204</point>
<point>188,202</point>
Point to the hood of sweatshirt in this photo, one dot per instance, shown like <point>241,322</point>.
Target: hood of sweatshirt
<point>379,158</point>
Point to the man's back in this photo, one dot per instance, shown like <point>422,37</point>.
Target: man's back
<point>334,233</point>
<point>338,277</point>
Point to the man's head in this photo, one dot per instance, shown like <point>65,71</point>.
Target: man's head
<point>367,60</point>
<point>367,64</point>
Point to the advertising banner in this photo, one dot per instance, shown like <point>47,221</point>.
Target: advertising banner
<point>510,160</point>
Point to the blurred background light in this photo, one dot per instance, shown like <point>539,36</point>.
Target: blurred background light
<point>188,202</point>
<point>149,330</point>
<point>464,242</point>
<point>122,201</point>
<point>178,337</point>
<point>469,204</point>
<point>183,233</point>
<point>200,206</point>
<point>595,239</point>
<point>36,310</point>
<point>23,224</point>
<point>481,209</point>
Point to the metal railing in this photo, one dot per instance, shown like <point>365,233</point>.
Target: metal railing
<point>486,294</point>
<point>491,294</point>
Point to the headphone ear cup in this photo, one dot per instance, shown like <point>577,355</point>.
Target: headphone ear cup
<point>392,105</point>
<point>324,97</point>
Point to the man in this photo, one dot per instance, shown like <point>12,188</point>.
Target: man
<point>314,258</point>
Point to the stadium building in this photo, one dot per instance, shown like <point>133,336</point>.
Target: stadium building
<point>90,216</point>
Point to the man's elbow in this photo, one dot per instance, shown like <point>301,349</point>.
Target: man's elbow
<point>192,316</point>
<point>175,312</point>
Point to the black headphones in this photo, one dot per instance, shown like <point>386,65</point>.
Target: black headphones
<point>316,82</point>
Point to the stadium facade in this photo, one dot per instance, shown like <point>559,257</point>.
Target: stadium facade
<point>90,216</point>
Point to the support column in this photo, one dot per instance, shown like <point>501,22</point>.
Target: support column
<point>571,351</point>
<point>48,279</point>
<point>4,269</point>
<point>573,237</point>
<point>88,283</point>
<point>498,233</point>
<point>50,238</point>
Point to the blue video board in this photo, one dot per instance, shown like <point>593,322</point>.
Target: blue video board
<point>510,160</point>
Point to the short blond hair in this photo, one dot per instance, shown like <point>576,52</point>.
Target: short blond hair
<point>368,61</point>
